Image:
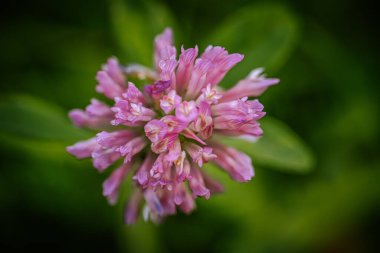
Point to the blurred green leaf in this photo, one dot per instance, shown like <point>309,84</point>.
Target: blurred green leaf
<point>331,58</point>
<point>265,33</point>
<point>142,236</point>
<point>56,182</point>
<point>52,72</point>
<point>27,116</point>
<point>311,215</point>
<point>280,148</point>
<point>135,24</point>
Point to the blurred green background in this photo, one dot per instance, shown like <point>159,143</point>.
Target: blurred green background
<point>314,191</point>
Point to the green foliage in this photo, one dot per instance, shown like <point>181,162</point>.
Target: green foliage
<point>26,116</point>
<point>135,24</point>
<point>266,34</point>
<point>280,148</point>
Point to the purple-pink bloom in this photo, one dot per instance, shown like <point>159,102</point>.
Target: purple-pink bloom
<point>170,101</point>
<point>164,132</point>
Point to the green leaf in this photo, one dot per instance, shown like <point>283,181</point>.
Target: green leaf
<point>330,57</point>
<point>56,72</point>
<point>280,148</point>
<point>265,33</point>
<point>26,116</point>
<point>135,24</point>
<point>55,182</point>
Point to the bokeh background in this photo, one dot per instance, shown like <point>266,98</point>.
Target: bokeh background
<point>317,167</point>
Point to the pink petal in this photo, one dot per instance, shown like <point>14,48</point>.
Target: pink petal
<point>237,164</point>
<point>112,184</point>
<point>132,147</point>
<point>96,116</point>
<point>166,69</point>
<point>222,62</point>
<point>155,130</point>
<point>106,85</point>
<point>114,139</point>
<point>203,123</point>
<point>238,117</point>
<point>131,211</point>
<point>103,158</point>
<point>157,89</point>
<point>198,79</point>
<point>142,174</point>
<point>133,94</point>
<point>153,202</point>
<point>83,149</point>
<point>131,114</point>
<point>199,154</point>
<point>164,48</point>
<point>99,109</point>
<point>188,204</point>
<point>213,185</point>
<point>175,125</point>
<point>185,67</point>
<point>254,85</point>
<point>170,101</point>
<point>186,111</point>
<point>191,135</point>
<point>197,184</point>
<point>114,71</point>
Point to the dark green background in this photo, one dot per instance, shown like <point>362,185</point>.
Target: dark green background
<point>326,55</point>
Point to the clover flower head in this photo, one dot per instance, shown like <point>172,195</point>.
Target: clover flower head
<point>164,133</point>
